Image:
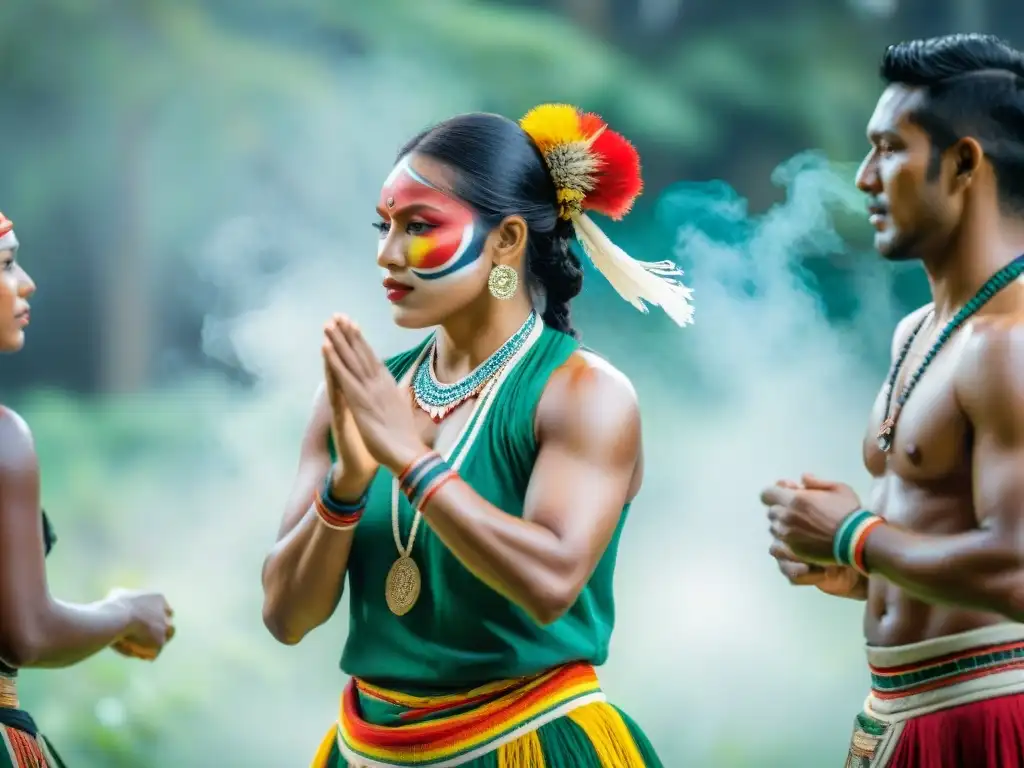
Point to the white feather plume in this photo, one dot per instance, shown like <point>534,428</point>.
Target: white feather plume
<point>638,282</point>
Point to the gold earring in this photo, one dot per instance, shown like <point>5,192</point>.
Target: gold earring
<point>502,282</point>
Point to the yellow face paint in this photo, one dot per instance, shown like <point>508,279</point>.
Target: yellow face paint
<point>420,250</point>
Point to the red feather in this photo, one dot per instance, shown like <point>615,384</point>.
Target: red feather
<point>591,123</point>
<point>619,181</point>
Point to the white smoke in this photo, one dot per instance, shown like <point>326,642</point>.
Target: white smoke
<point>714,654</point>
<point>726,663</point>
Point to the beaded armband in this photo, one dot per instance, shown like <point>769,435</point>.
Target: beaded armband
<point>848,544</point>
<point>335,514</point>
<point>424,477</point>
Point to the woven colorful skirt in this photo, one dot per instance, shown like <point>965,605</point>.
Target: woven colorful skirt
<point>951,702</point>
<point>559,719</point>
<point>21,743</point>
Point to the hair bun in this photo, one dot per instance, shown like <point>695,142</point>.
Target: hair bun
<point>593,167</point>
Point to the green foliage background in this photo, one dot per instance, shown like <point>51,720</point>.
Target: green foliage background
<point>132,130</point>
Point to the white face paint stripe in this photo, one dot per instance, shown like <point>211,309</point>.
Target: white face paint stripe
<point>403,165</point>
<point>455,262</point>
<point>419,179</point>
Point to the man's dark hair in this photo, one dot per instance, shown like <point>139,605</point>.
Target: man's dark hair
<point>500,172</point>
<point>974,87</point>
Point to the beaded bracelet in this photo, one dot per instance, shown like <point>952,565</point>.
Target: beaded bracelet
<point>848,544</point>
<point>424,477</point>
<point>341,516</point>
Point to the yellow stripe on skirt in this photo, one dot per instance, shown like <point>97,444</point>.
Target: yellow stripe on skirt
<point>558,719</point>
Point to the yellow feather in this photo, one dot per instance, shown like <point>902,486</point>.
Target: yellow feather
<point>550,125</point>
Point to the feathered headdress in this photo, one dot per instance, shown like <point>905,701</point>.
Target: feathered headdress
<point>7,239</point>
<point>597,169</point>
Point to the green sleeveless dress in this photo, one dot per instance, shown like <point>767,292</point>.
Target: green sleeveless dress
<point>461,634</point>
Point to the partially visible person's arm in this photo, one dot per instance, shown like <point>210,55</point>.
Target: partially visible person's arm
<point>983,568</point>
<point>35,629</point>
<point>588,428</point>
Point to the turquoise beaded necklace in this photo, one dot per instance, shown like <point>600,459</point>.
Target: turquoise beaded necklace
<point>439,399</point>
<point>992,286</point>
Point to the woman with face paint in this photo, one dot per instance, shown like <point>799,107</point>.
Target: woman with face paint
<point>473,489</point>
<point>37,630</point>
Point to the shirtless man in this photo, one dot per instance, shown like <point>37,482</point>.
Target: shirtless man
<point>940,562</point>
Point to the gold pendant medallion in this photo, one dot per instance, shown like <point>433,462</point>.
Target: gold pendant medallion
<point>402,586</point>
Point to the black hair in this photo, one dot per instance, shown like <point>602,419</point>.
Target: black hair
<point>500,172</point>
<point>974,87</point>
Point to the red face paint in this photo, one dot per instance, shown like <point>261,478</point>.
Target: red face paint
<point>453,238</point>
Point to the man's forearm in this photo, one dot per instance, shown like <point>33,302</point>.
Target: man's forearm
<point>860,589</point>
<point>974,570</point>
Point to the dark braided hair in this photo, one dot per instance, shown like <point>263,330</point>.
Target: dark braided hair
<point>499,172</point>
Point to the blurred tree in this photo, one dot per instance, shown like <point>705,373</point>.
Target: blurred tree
<point>105,75</point>
<point>112,104</point>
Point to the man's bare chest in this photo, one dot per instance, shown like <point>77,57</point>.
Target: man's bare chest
<point>931,436</point>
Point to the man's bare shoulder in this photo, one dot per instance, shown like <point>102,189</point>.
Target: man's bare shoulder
<point>989,381</point>
<point>17,450</point>
<point>906,326</point>
<point>995,344</point>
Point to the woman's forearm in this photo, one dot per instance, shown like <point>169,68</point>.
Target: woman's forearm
<point>518,559</point>
<point>304,574</point>
<point>303,578</point>
<point>63,634</point>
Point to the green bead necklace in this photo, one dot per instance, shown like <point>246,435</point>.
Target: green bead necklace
<point>992,286</point>
<point>439,399</point>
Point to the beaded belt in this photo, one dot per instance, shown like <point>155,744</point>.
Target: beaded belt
<point>8,692</point>
<point>911,680</point>
<point>456,729</point>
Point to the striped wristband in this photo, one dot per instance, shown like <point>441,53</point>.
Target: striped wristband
<point>848,544</point>
<point>424,477</point>
<point>337,514</point>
